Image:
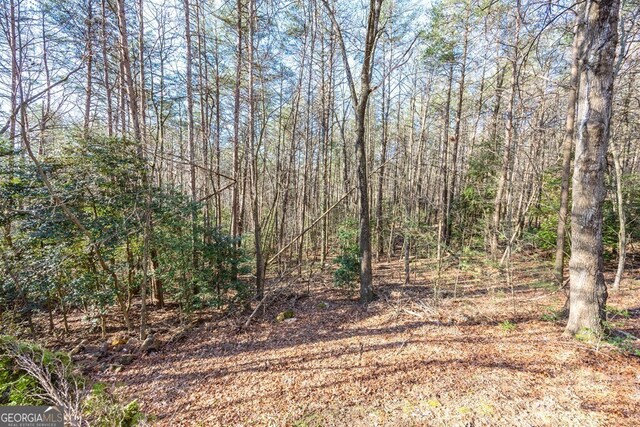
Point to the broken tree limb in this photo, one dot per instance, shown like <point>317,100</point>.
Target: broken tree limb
<point>266,294</point>
<point>325,213</point>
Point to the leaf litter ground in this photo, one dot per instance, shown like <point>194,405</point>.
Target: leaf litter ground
<point>487,353</point>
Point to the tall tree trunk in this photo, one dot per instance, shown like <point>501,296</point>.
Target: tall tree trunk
<point>218,129</point>
<point>622,220</point>
<point>360,102</point>
<point>142,92</point>
<point>46,104</point>
<point>191,138</point>
<point>616,151</point>
<point>366,288</point>
<point>13,46</point>
<point>386,100</point>
<point>89,80</point>
<point>308,141</point>
<point>508,141</point>
<point>254,189</point>
<point>456,135</point>
<point>567,145</point>
<point>327,105</point>
<point>588,292</point>
<point>444,209</point>
<point>235,202</point>
<point>135,118</point>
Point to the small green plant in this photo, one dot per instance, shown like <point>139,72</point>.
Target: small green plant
<point>348,260</point>
<point>105,410</point>
<point>33,375</point>
<point>347,272</point>
<point>284,315</point>
<point>17,385</point>
<point>500,293</point>
<point>551,315</point>
<point>613,312</point>
<point>587,335</point>
<point>544,284</point>
<point>507,326</point>
<point>309,420</point>
<point>626,343</point>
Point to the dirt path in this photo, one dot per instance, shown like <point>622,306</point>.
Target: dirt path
<point>470,361</point>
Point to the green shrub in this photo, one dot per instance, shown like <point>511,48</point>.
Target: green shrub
<point>18,386</point>
<point>348,260</point>
<point>348,270</point>
<point>551,315</point>
<point>626,344</point>
<point>507,326</point>
<point>105,410</point>
<point>614,312</point>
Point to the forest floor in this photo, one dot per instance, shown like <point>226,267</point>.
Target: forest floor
<point>488,353</point>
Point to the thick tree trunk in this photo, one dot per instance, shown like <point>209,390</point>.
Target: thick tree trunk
<point>588,292</point>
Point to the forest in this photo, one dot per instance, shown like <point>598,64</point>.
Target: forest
<point>321,212</point>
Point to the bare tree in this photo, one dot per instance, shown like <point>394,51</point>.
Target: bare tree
<point>360,102</point>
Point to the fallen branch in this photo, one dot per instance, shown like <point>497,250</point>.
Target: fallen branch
<point>325,213</point>
<point>261,302</point>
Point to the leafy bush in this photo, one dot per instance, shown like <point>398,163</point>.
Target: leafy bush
<point>17,386</point>
<point>33,375</point>
<point>551,315</point>
<point>106,411</point>
<point>625,344</point>
<point>348,270</point>
<point>544,237</point>
<point>213,280</point>
<point>101,182</point>
<point>614,312</point>
<point>348,260</point>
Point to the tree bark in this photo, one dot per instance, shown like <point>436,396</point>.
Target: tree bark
<point>508,140</point>
<point>260,267</point>
<point>360,102</point>
<point>456,135</point>
<point>191,135</point>
<point>588,292</point>
<point>235,201</point>
<point>567,145</point>
<point>134,110</point>
<point>89,80</point>
<point>622,220</point>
